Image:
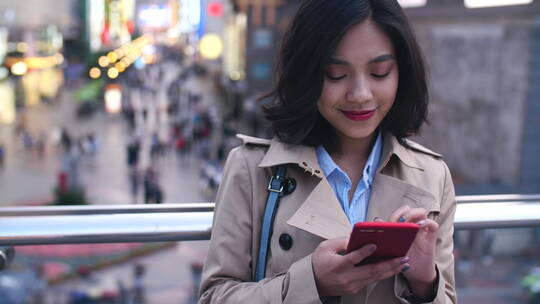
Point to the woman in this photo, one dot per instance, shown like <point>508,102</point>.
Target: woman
<point>351,87</point>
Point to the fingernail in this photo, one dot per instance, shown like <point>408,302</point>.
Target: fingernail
<point>401,219</point>
<point>405,260</point>
<point>422,223</point>
<point>405,268</point>
<point>372,247</point>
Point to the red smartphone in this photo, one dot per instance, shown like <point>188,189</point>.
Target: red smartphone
<point>392,239</point>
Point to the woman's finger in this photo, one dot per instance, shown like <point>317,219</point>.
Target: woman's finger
<point>398,213</point>
<point>357,256</point>
<point>382,270</point>
<point>428,225</point>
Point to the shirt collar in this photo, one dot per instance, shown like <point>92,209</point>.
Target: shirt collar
<point>329,166</point>
<point>325,161</point>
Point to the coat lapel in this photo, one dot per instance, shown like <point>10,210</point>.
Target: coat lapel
<point>321,214</point>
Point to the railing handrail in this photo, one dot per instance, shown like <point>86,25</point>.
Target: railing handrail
<point>104,209</point>
<point>207,206</point>
<point>181,222</point>
<point>493,198</point>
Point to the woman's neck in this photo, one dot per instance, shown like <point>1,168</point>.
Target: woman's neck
<point>348,150</point>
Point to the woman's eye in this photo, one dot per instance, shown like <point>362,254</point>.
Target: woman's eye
<point>331,77</point>
<point>380,75</point>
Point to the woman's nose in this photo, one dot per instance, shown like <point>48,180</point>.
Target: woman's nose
<point>359,92</point>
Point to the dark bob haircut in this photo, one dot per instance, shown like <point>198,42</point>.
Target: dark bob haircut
<point>307,46</point>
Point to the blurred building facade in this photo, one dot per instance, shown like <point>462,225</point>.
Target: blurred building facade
<point>483,67</point>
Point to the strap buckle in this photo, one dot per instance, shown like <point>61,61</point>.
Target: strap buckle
<point>279,183</point>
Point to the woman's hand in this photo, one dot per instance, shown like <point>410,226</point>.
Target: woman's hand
<point>422,274</point>
<point>336,275</point>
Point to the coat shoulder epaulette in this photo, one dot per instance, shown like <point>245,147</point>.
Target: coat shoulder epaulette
<point>256,141</point>
<point>418,147</point>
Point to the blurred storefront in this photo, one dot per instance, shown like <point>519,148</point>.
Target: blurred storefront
<point>109,23</point>
<point>35,63</point>
<point>7,102</point>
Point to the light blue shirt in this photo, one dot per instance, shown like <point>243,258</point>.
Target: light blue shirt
<point>356,210</point>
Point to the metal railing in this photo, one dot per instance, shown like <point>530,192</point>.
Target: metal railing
<point>498,198</point>
<point>105,224</point>
<point>193,221</point>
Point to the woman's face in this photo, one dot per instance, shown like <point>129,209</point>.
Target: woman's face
<point>360,83</point>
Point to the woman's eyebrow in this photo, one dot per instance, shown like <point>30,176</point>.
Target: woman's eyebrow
<point>383,58</point>
<point>338,61</point>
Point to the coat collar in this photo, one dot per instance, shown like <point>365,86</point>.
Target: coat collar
<point>306,157</point>
<point>391,146</point>
<point>321,213</point>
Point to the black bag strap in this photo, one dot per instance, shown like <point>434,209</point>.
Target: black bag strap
<point>276,189</point>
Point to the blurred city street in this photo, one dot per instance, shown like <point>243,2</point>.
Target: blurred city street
<point>105,175</point>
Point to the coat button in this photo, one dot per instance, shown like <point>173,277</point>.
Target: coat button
<point>285,241</point>
<point>290,185</point>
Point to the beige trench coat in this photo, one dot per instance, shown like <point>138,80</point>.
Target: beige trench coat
<point>411,176</point>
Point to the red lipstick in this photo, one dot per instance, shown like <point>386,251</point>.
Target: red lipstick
<point>358,115</point>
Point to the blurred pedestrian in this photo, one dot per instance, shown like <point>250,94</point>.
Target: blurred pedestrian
<point>27,140</point>
<point>152,189</point>
<point>134,181</point>
<point>2,155</point>
<point>65,139</point>
<point>180,145</point>
<point>91,144</point>
<point>138,284</point>
<point>133,151</point>
<point>123,292</point>
<point>39,144</point>
<point>71,167</point>
<point>155,146</point>
<point>129,114</point>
